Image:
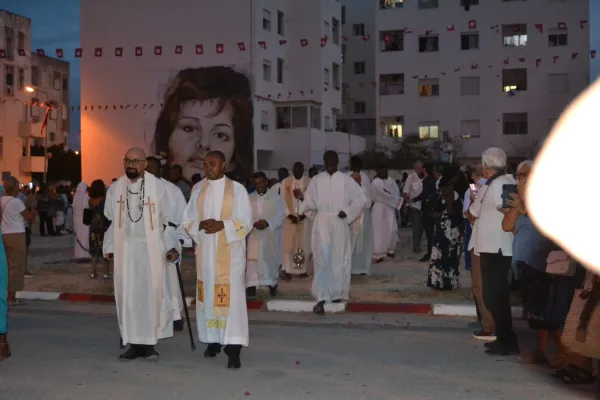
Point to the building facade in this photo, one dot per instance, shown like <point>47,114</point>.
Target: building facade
<point>496,73</point>
<point>289,50</point>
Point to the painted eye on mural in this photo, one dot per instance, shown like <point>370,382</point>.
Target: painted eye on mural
<point>223,136</point>
<point>188,128</point>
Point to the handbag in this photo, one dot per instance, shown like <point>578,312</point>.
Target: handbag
<point>87,216</point>
<point>559,263</point>
<point>581,334</point>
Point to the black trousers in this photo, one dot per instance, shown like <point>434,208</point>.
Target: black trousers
<point>46,222</point>
<point>495,270</point>
<point>428,226</point>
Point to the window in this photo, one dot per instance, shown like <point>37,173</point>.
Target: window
<point>558,83</point>
<point>65,82</point>
<point>56,79</point>
<point>300,117</point>
<point>360,107</point>
<point>469,128</point>
<point>392,126</point>
<point>266,20</point>
<point>326,76</point>
<point>469,41</point>
<point>335,31</point>
<point>429,130</point>
<point>327,29</point>
<point>386,4</point>
<point>343,53</point>
<point>280,23</point>
<point>315,117</point>
<point>358,29</point>
<point>9,79</point>
<point>280,68</point>
<point>557,39</point>
<point>514,124</point>
<point>359,67</point>
<point>335,79</point>
<point>284,117</point>
<point>9,45</point>
<point>469,86</point>
<point>429,87</point>
<point>514,79</point>
<point>21,40</point>
<point>514,35</point>
<point>21,82</point>
<point>427,4</point>
<point>327,123</point>
<point>343,15</point>
<point>35,76</point>
<point>52,135</point>
<point>391,40</point>
<point>428,44</point>
<point>267,70</point>
<point>391,84</point>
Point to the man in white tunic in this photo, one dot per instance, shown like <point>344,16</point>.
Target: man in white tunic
<point>218,218</point>
<point>361,230</point>
<point>297,228</point>
<point>386,200</point>
<point>338,201</point>
<point>154,167</point>
<point>264,243</point>
<point>141,239</point>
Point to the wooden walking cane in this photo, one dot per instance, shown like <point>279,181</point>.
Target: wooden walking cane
<point>185,307</point>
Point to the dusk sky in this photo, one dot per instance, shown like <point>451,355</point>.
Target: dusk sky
<point>56,25</point>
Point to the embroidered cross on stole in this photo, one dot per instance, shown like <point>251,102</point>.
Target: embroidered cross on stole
<point>222,278</point>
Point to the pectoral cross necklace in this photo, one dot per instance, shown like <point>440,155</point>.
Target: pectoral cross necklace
<point>141,203</point>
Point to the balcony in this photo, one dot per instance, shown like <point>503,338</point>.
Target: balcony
<point>31,164</point>
<point>29,129</point>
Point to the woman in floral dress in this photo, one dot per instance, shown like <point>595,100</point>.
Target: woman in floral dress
<point>445,254</point>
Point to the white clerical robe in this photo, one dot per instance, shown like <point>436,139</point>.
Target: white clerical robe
<point>264,247</point>
<point>141,233</point>
<point>361,232</point>
<point>295,236</point>
<point>184,240</point>
<point>386,198</point>
<point>221,312</point>
<point>332,249</point>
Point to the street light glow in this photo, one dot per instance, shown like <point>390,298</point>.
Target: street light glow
<point>29,89</point>
<point>76,153</point>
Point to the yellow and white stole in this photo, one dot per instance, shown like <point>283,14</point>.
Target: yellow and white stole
<point>222,279</point>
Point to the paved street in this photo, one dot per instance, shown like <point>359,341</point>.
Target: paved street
<point>69,351</point>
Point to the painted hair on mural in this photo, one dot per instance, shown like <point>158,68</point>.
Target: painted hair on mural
<point>208,109</point>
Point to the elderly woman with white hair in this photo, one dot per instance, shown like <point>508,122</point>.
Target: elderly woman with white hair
<point>494,247</point>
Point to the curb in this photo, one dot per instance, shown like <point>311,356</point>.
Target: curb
<point>295,306</point>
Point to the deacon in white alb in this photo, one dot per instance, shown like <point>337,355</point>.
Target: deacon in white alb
<point>141,239</point>
<point>338,201</point>
<point>361,230</point>
<point>264,244</point>
<point>297,227</point>
<point>386,200</point>
<point>155,168</point>
<point>218,218</point>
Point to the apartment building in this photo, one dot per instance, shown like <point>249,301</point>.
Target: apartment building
<point>289,50</point>
<point>493,73</point>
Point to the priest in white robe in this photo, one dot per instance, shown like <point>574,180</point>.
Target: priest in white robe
<point>297,227</point>
<point>218,217</point>
<point>264,242</point>
<point>154,166</point>
<point>141,240</point>
<point>361,230</point>
<point>386,198</point>
<point>338,201</point>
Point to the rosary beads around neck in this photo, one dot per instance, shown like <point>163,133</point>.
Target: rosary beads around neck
<point>141,204</point>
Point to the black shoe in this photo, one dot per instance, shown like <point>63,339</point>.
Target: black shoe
<point>273,291</point>
<point>178,325</point>
<point>319,308</point>
<point>391,255</point>
<point>212,350</point>
<point>425,258</point>
<point>337,301</point>
<point>251,292</point>
<point>504,350</point>
<point>149,353</point>
<point>233,356</point>
<point>132,353</point>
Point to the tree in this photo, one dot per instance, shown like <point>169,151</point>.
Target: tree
<point>64,165</point>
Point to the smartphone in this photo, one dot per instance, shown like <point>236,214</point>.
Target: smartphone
<point>507,190</point>
<point>473,187</point>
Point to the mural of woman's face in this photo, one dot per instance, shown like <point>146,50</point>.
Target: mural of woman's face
<point>201,128</point>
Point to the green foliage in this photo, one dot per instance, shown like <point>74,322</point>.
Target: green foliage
<point>64,165</point>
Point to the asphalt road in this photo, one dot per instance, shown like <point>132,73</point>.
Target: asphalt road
<point>71,352</point>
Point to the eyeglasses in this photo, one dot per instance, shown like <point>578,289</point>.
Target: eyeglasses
<point>133,163</point>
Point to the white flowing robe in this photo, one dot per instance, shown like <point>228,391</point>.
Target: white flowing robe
<point>179,205</point>
<point>386,198</point>
<point>82,232</point>
<point>264,247</point>
<point>142,290</point>
<point>232,328</point>
<point>331,245</point>
<point>361,232</point>
<point>299,235</point>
